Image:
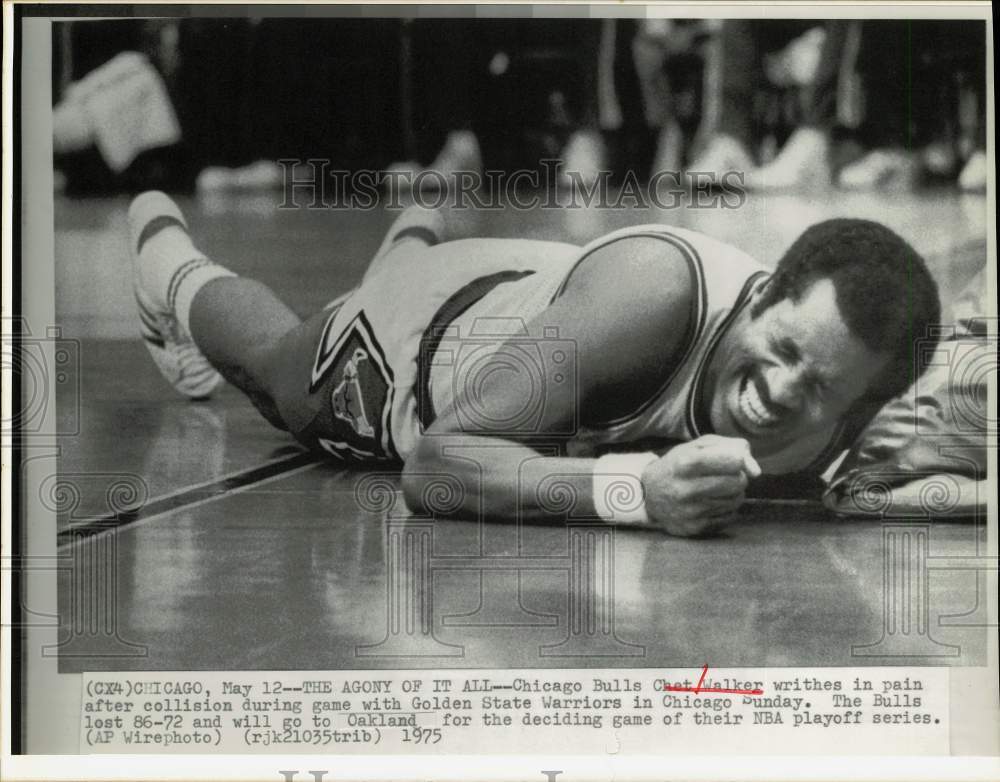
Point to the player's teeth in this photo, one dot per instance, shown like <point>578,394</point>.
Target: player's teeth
<point>753,406</point>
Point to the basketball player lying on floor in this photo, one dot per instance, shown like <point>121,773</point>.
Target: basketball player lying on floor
<point>509,364</point>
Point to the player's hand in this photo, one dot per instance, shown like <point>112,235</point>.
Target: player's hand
<point>696,487</point>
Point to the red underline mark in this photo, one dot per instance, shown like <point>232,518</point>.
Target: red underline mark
<point>698,689</point>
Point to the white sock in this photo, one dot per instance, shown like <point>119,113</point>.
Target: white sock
<point>179,271</point>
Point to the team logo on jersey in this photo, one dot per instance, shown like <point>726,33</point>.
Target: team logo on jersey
<point>348,398</point>
<point>351,368</point>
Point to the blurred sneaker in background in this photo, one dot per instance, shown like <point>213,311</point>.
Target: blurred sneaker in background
<point>461,152</point>
<point>974,173</point>
<point>796,65</point>
<point>882,169</point>
<point>260,175</point>
<point>583,159</point>
<point>939,160</point>
<point>721,154</point>
<point>802,164</point>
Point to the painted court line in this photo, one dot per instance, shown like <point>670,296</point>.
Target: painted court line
<point>195,495</point>
<point>189,497</point>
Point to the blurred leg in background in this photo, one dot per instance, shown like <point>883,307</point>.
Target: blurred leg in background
<point>669,62</point>
<point>213,87</point>
<point>875,104</point>
<point>259,91</point>
<point>924,104</point>
<point>888,73</point>
<point>507,94</point>
<point>969,40</point>
<point>729,134</point>
<point>796,54</point>
<point>610,112</point>
<point>598,112</point>
<point>442,73</point>
<point>811,66</point>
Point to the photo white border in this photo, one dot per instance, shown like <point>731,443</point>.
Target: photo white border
<point>50,691</point>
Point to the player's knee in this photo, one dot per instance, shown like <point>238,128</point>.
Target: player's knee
<point>291,407</point>
<point>267,408</point>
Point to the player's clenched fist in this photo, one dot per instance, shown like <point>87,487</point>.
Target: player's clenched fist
<point>697,486</point>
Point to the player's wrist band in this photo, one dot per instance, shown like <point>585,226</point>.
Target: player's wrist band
<point>618,492</point>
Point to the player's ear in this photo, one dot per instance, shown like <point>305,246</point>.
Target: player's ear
<point>763,297</point>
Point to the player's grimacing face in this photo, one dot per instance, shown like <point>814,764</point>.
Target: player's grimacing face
<point>792,371</point>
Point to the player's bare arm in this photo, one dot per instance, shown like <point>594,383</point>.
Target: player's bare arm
<point>676,337</point>
<point>627,308</point>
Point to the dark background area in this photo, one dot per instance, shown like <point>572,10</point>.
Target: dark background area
<point>364,92</point>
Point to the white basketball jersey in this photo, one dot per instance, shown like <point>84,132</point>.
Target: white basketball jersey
<point>725,280</point>
<point>424,327</point>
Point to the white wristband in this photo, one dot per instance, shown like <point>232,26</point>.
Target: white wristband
<point>618,492</point>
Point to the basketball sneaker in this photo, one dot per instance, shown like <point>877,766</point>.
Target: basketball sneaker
<point>722,155</point>
<point>882,169</point>
<point>158,269</point>
<point>802,164</point>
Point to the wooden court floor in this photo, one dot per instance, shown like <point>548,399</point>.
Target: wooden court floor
<point>226,547</point>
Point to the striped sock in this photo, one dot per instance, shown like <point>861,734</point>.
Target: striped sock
<point>179,269</point>
<point>190,278</point>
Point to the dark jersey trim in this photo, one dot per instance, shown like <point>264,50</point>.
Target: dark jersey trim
<point>457,304</point>
<point>324,350</point>
<point>372,338</point>
<point>326,357</point>
<point>698,419</point>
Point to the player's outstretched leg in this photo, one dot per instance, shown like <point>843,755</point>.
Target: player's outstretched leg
<point>419,227</point>
<point>165,266</point>
<point>200,321</point>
